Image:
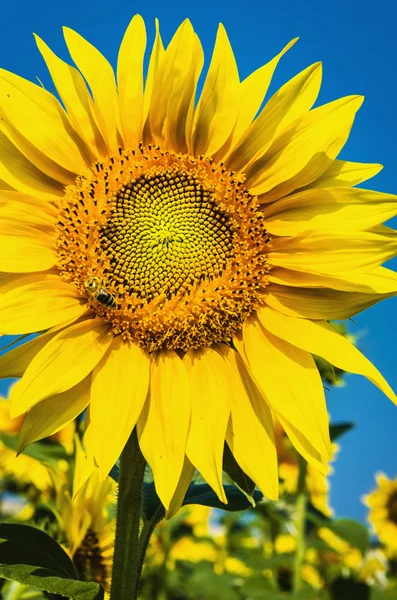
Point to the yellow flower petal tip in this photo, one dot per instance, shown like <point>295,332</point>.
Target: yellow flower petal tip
<point>382,515</point>
<point>145,224</point>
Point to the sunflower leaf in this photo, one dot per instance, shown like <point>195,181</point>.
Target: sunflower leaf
<point>356,534</point>
<point>49,581</point>
<point>203,494</point>
<point>23,544</point>
<point>237,475</point>
<point>49,453</point>
<point>338,429</point>
<point>198,493</point>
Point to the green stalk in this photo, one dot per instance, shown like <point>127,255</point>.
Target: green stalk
<point>301,502</point>
<point>144,539</point>
<point>127,562</point>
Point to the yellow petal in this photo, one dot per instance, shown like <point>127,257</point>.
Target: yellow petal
<point>38,116</point>
<point>156,57</point>
<point>35,156</point>
<point>291,101</point>
<point>99,75</point>
<point>75,97</point>
<point>304,151</point>
<point>64,361</point>
<point>130,81</point>
<point>27,210</point>
<point>164,422</point>
<point>24,249</point>
<point>118,392</point>
<point>250,434</point>
<point>84,468</point>
<point>304,447</point>
<point>209,416</point>
<point>38,302</point>
<point>376,281</point>
<point>340,209</point>
<point>290,381</point>
<point>343,173</point>
<point>217,110</point>
<point>179,121</point>
<point>51,415</point>
<point>321,303</point>
<point>174,89</point>
<point>252,93</point>
<point>334,253</point>
<point>320,338</point>
<point>180,492</point>
<point>15,362</point>
<point>17,171</point>
<point>5,186</point>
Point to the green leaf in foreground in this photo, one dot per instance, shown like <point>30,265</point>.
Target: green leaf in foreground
<point>198,494</point>
<point>49,581</point>
<point>22,544</point>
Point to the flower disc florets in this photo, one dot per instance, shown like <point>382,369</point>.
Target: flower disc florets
<point>176,242</point>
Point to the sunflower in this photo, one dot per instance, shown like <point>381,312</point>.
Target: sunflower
<point>85,520</point>
<point>23,470</point>
<point>180,258</point>
<point>316,484</point>
<point>382,503</point>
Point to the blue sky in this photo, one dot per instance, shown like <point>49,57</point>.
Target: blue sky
<point>355,41</point>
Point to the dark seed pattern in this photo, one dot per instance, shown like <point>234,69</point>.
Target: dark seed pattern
<point>177,242</point>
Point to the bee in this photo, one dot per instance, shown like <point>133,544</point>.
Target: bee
<point>101,295</point>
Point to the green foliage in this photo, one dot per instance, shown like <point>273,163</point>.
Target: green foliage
<point>48,453</point>
<point>353,532</point>
<point>201,583</point>
<point>339,429</point>
<point>51,581</point>
<point>31,557</point>
<point>198,493</point>
<point>237,475</point>
<point>29,545</point>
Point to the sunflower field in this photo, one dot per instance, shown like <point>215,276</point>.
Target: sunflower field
<point>180,255</point>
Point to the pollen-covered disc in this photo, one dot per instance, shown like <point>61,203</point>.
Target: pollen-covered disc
<point>177,241</point>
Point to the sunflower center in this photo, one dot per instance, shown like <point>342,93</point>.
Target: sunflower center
<point>171,249</point>
<point>89,563</point>
<point>392,508</point>
<point>164,234</point>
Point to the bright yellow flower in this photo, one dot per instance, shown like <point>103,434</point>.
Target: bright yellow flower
<point>373,568</point>
<point>236,566</point>
<point>193,551</point>
<point>317,483</point>
<point>86,522</point>
<point>382,503</point>
<point>24,470</point>
<point>333,540</point>
<point>312,576</point>
<point>343,553</point>
<point>285,543</point>
<point>197,517</point>
<point>190,250</point>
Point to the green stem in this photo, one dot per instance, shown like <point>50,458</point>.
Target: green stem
<point>126,561</point>
<point>144,539</point>
<point>301,501</point>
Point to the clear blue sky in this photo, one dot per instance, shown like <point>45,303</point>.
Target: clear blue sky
<point>356,42</point>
